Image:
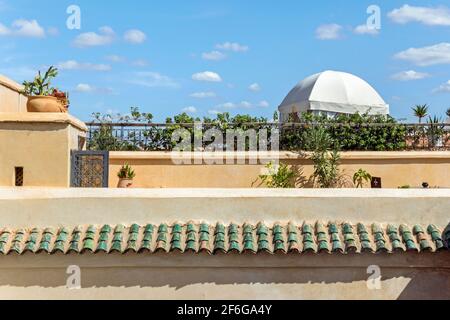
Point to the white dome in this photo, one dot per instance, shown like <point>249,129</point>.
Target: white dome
<point>336,92</point>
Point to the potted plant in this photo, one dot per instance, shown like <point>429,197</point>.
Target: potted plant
<point>360,176</point>
<point>126,175</point>
<point>42,97</point>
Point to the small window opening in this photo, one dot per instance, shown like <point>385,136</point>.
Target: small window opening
<point>19,176</point>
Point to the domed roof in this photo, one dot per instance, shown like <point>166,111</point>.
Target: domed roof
<point>334,91</point>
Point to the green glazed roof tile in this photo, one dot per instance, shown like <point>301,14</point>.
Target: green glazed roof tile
<point>133,236</point>
<point>204,238</point>
<point>422,238</point>
<point>380,240</point>
<point>349,238</point>
<point>219,239</point>
<point>364,238</point>
<point>279,239</point>
<point>233,234</point>
<point>146,244</point>
<point>408,238</point>
<point>255,238</point>
<point>191,238</point>
<point>322,238</point>
<point>435,234</point>
<point>392,232</point>
<point>74,245</point>
<point>336,245</point>
<point>293,240</point>
<point>46,240</point>
<point>4,239</point>
<point>308,238</point>
<point>175,242</point>
<point>262,233</point>
<point>249,242</point>
<point>104,236</point>
<point>88,240</point>
<point>61,240</point>
<point>30,245</point>
<point>161,240</point>
<point>116,245</point>
<point>17,243</point>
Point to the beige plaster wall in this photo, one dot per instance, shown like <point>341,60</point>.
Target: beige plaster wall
<point>11,100</point>
<point>157,169</point>
<point>41,144</point>
<point>188,276</point>
<point>44,207</point>
<point>200,276</point>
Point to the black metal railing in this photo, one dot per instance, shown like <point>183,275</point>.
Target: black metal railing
<point>350,137</point>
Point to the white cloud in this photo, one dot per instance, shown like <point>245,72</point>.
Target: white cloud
<point>203,95</point>
<point>329,32</point>
<point>153,80</point>
<point>445,87</point>
<point>409,75</point>
<point>23,28</point>
<point>245,104</point>
<point>214,112</point>
<point>75,65</point>
<point>427,56</point>
<point>115,58</point>
<point>189,109</point>
<point>364,29</point>
<point>207,76</point>
<point>4,31</point>
<point>53,31</point>
<point>227,105</point>
<point>432,16</point>
<point>135,36</point>
<point>105,36</point>
<point>214,55</point>
<point>83,87</point>
<point>263,104</point>
<point>232,46</point>
<point>140,63</point>
<point>254,87</point>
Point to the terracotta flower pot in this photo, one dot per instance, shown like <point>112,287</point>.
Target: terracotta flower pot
<point>44,104</point>
<point>125,183</point>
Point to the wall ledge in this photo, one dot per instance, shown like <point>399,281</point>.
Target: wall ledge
<point>29,117</point>
<point>282,155</point>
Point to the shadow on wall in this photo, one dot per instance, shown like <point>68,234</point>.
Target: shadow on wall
<point>344,282</point>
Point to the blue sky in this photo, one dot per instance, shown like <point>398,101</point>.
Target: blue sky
<point>238,56</point>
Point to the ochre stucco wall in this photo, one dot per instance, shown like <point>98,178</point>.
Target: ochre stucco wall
<point>157,170</point>
<point>189,276</point>
<point>232,276</point>
<point>41,144</point>
<point>11,100</point>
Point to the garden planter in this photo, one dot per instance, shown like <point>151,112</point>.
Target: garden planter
<point>45,104</point>
<point>125,183</point>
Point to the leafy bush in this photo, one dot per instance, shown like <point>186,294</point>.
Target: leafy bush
<point>278,176</point>
<point>325,156</point>
<point>126,172</point>
<point>40,86</point>
<point>360,176</point>
<point>352,131</point>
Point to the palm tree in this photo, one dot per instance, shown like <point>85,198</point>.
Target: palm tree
<point>448,112</point>
<point>420,111</point>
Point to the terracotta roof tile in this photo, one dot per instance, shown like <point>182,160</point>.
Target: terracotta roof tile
<point>291,238</point>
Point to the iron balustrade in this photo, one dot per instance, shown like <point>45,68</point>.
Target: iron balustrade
<point>158,136</point>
